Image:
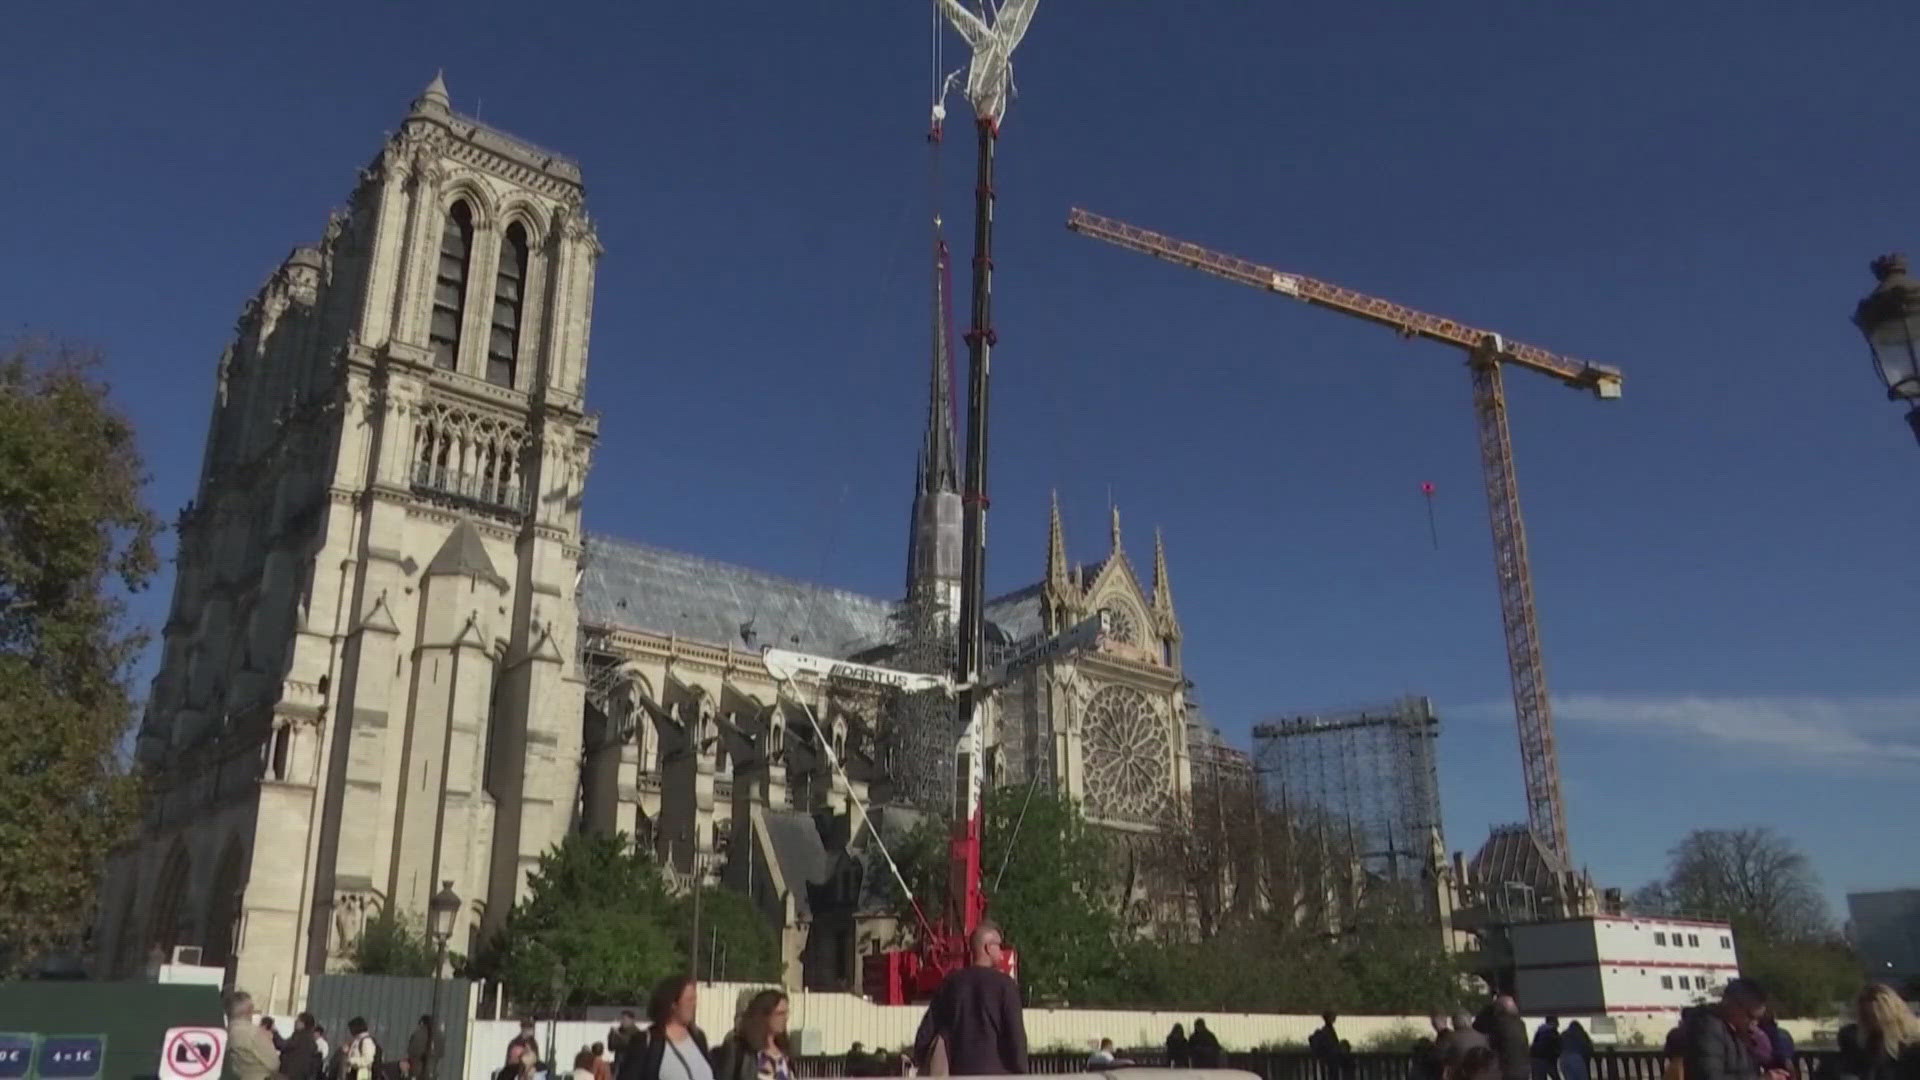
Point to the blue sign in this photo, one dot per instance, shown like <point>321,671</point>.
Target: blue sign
<point>72,1057</point>
<point>16,1055</point>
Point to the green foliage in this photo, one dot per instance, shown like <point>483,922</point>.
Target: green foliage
<point>392,945</point>
<point>736,941</point>
<point>600,927</point>
<point>1060,905</point>
<point>1398,1039</point>
<point>1056,902</point>
<point>73,534</point>
<point>596,927</point>
<point>1262,966</point>
<point>1803,978</point>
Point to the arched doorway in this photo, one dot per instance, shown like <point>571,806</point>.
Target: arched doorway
<point>126,938</point>
<point>171,924</point>
<point>223,906</point>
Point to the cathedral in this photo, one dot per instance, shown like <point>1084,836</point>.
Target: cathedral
<point>395,659</point>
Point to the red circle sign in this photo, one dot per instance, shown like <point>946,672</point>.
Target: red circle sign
<point>184,1054</point>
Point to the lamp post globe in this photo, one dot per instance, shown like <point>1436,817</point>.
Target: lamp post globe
<point>1889,316</point>
<point>444,909</point>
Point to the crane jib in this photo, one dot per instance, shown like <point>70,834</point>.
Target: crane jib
<point>1603,381</point>
<point>1488,353</point>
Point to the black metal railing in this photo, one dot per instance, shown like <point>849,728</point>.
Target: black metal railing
<point>1294,1065</point>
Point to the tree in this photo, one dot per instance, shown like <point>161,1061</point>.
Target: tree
<point>1057,899</point>
<point>596,927</point>
<point>391,945</point>
<point>736,941</point>
<point>599,926</point>
<point>1758,881</point>
<point>1752,877</point>
<point>1809,978</point>
<point>73,533</point>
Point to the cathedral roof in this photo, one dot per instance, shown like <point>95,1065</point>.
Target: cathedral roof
<point>635,586</point>
<point>1015,616</point>
<point>642,587</point>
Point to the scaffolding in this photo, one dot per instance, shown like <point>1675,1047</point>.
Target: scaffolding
<point>1365,776</point>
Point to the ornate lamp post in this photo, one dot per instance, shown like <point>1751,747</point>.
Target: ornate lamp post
<point>1890,318</point>
<point>443,910</point>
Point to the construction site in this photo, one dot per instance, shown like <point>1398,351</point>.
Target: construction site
<point>776,736</point>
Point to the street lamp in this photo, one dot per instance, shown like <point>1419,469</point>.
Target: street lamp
<point>442,910</point>
<point>1889,316</point>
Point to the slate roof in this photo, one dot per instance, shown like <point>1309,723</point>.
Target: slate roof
<point>639,586</point>
<point>803,858</point>
<point>1015,616</point>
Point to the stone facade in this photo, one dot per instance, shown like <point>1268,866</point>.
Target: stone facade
<point>394,659</point>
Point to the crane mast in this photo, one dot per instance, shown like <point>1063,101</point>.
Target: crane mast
<point>1487,354</point>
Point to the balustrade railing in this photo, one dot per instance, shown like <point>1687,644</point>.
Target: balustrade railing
<point>478,489</point>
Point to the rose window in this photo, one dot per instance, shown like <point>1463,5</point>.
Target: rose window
<point>1127,759</point>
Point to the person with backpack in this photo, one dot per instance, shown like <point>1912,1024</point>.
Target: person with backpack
<point>362,1052</point>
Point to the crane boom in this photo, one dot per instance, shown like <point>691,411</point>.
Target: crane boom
<point>1603,381</point>
<point>1487,352</point>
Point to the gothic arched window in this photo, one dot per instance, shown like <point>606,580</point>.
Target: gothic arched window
<point>509,290</point>
<point>450,286</point>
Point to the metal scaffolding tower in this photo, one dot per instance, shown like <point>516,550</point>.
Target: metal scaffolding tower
<point>1366,776</point>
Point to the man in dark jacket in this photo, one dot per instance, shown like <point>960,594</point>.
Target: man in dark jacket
<point>1714,1040</point>
<point>1507,1034</point>
<point>1546,1050</point>
<point>1203,1047</point>
<point>301,1058</point>
<point>623,1035</point>
<point>976,1015</point>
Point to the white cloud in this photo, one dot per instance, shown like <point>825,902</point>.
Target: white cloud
<point>1841,731</point>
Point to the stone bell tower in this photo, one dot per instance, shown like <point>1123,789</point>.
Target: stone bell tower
<point>456,729</point>
<point>367,682</point>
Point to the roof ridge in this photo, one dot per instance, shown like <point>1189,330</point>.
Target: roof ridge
<point>709,560</point>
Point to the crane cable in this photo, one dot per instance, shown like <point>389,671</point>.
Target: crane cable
<point>866,819</point>
<point>937,87</point>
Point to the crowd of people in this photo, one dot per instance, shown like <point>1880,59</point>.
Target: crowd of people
<point>974,1027</point>
<point>256,1051</point>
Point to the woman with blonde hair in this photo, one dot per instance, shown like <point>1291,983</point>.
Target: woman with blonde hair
<point>1889,1034</point>
<point>757,1049</point>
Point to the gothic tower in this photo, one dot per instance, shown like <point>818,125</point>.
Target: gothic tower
<point>376,576</point>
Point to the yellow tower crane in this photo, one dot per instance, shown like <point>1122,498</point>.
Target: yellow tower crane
<point>1486,352</point>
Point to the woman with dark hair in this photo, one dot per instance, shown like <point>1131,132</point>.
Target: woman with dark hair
<point>757,1049</point>
<point>671,1048</point>
<point>524,1066</point>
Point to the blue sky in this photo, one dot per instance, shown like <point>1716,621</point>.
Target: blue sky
<point>1725,559</point>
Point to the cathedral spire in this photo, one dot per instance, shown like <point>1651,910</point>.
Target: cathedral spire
<point>1056,546</point>
<point>933,555</point>
<point>1162,587</point>
<point>939,470</point>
